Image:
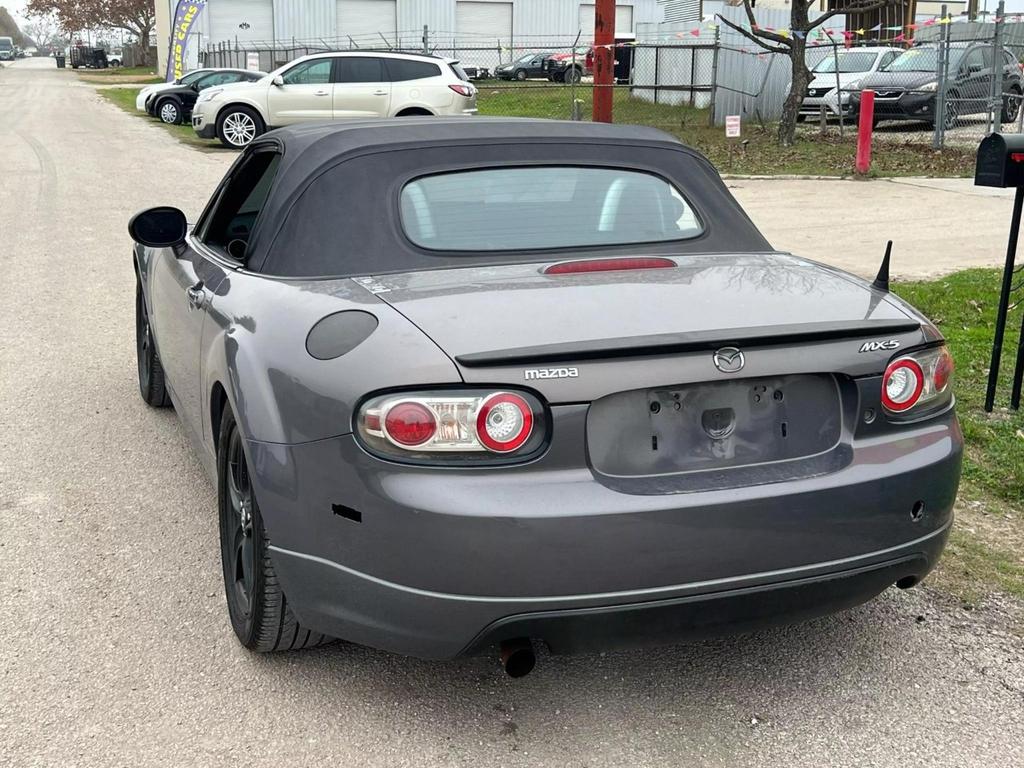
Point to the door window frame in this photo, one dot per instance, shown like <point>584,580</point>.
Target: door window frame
<point>197,237</point>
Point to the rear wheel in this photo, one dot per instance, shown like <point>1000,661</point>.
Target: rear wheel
<point>152,386</point>
<point>238,126</point>
<point>169,112</point>
<point>259,611</point>
<point>1011,105</point>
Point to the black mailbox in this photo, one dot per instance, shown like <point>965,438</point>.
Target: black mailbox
<point>1000,161</point>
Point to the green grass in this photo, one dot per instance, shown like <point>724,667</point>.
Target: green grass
<point>125,99</point>
<point>987,547</point>
<point>813,153</point>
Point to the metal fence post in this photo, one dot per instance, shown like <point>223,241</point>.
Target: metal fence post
<point>995,103</point>
<point>839,88</point>
<point>939,136</point>
<point>426,40</point>
<point>714,74</point>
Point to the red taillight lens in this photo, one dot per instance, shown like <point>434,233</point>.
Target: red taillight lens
<point>504,422</point>
<point>462,90</point>
<point>918,380</point>
<point>410,424</point>
<point>902,385</point>
<point>607,265</point>
<point>452,425</point>
<point>943,370</point>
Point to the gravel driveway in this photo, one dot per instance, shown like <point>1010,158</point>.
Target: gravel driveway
<point>115,647</point>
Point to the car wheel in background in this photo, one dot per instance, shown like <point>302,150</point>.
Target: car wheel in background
<point>238,126</point>
<point>572,75</point>
<point>151,372</point>
<point>169,112</point>
<point>558,77</point>
<point>259,611</point>
<point>1011,105</point>
<point>520,74</point>
<point>951,113</point>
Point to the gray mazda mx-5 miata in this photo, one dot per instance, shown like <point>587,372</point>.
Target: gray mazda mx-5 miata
<point>465,383</point>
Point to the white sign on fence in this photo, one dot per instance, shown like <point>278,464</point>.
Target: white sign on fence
<point>732,126</point>
<point>252,61</point>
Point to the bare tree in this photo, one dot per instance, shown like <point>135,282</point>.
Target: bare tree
<point>45,31</point>
<point>794,45</point>
<point>136,17</point>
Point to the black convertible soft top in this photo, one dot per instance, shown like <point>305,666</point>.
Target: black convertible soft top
<point>333,209</point>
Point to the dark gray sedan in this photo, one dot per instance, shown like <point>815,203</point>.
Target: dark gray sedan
<point>617,417</point>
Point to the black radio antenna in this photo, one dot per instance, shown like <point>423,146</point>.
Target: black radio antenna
<point>882,280</point>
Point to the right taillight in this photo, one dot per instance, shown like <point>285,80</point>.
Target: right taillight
<point>462,90</point>
<point>917,379</point>
<point>452,426</point>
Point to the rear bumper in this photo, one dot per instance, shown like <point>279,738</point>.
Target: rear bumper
<point>365,610</point>
<point>436,563</point>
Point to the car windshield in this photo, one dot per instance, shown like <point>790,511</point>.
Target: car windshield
<point>512,209</point>
<point>848,62</point>
<point>527,57</point>
<point>191,77</point>
<point>923,59</point>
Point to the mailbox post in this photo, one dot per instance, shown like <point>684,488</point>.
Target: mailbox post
<point>1000,163</point>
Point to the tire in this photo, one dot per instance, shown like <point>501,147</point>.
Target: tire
<point>572,75</point>
<point>558,77</point>
<point>949,116</point>
<point>520,75</point>
<point>169,112</point>
<point>152,384</point>
<point>260,615</point>
<point>238,126</point>
<point>1011,106</point>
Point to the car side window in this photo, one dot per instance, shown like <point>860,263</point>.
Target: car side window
<point>400,70</point>
<point>316,72</point>
<point>974,61</point>
<point>218,78</point>
<point>360,69</point>
<point>231,223</point>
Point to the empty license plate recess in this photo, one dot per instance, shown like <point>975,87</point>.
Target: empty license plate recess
<point>714,425</point>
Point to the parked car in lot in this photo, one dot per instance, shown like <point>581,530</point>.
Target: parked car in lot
<point>187,79</point>
<point>174,105</point>
<point>852,66</point>
<point>906,88</point>
<point>6,49</point>
<point>433,429</point>
<point>115,58</point>
<point>526,66</point>
<point>334,86</point>
<point>565,67</point>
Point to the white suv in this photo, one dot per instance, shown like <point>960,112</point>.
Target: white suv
<point>334,86</point>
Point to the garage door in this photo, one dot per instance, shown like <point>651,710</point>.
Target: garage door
<point>363,19</point>
<point>242,19</point>
<point>485,23</point>
<point>623,19</point>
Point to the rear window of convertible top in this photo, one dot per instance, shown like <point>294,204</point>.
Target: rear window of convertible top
<point>541,207</point>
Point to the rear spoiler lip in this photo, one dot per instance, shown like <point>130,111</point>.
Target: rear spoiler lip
<point>667,343</point>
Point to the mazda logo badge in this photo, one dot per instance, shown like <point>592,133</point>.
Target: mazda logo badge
<point>729,360</point>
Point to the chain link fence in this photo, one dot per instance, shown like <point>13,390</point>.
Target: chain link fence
<point>958,82</point>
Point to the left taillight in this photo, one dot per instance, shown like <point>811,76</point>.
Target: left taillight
<point>452,426</point>
<point>463,90</point>
<point>915,381</point>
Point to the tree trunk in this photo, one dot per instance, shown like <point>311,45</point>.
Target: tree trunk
<point>797,91</point>
<point>144,47</point>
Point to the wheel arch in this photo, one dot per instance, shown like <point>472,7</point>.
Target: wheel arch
<point>233,104</point>
<point>415,110</point>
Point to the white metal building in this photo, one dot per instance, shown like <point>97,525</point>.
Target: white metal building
<point>376,22</point>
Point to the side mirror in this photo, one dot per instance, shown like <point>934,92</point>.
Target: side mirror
<point>278,80</point>
<point>162,227</point>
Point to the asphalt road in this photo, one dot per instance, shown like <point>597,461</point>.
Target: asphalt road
<point>114,643</point>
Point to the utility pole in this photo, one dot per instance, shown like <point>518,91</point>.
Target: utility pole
<point>604,59</point>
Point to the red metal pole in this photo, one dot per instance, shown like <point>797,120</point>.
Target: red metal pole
<point>864,128</point>
<point>604,59</point>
